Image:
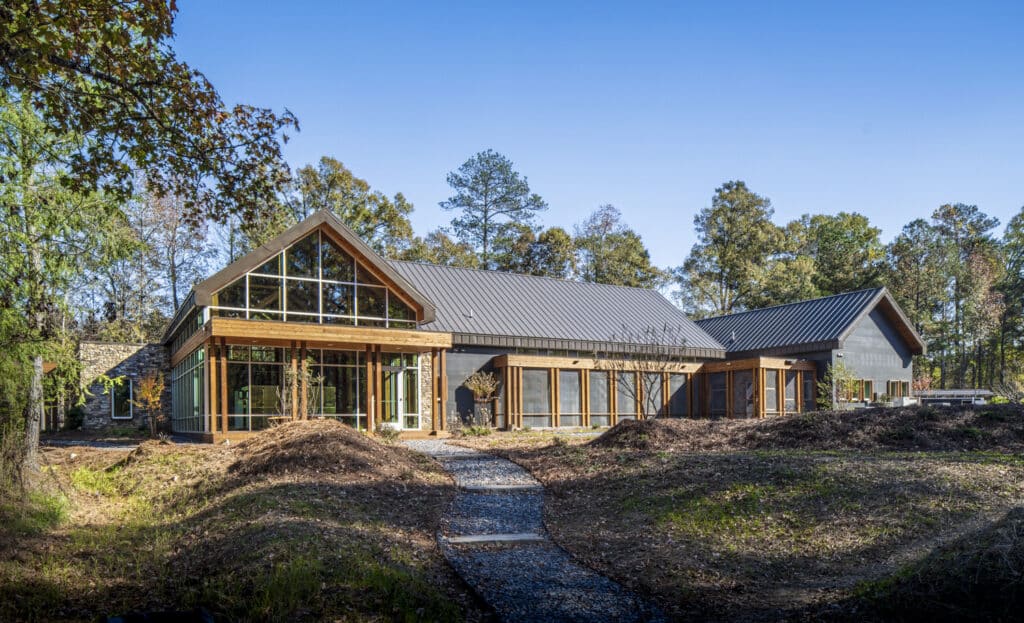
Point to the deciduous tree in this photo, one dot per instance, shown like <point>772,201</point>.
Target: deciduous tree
<point>612,253</point>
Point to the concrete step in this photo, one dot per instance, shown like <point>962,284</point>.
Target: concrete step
<point>479,539</point>
<point>501,488</point>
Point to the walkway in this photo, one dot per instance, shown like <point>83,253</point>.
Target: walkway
<point>494,537</point>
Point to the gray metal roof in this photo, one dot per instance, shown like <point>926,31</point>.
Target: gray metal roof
<point>817,324</point>
<point>491,308</point>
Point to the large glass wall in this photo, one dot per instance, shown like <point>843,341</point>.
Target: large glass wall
<point>771,392</point>
<point>313,280</point>
<point>790,391</point>
<point>187,391</point>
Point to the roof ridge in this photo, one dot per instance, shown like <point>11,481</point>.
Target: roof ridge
<point>781,305</point>
<point>515,274</point>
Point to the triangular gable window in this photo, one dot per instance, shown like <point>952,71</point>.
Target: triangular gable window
<point>314,280</point>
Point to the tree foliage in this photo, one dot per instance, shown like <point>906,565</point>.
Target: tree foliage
<point>490,196</point>
<point>736,240</point>
<point>105,71</point>
<point>610,252</point>
<point>381,221</point>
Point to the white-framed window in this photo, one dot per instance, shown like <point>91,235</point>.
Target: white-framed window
<point>121,401</point>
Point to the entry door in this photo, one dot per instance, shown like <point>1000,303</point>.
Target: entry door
<point>392,397</point>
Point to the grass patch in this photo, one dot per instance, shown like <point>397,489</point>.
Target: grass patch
<point>34,514</point>
<point>96,481</point>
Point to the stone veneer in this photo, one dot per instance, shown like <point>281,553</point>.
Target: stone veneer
<point>118,359</point>
<point>426,391</point>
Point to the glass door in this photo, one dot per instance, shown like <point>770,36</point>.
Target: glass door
<point>392,397</point>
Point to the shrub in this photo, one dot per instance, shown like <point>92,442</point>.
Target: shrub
<point>388,434</point>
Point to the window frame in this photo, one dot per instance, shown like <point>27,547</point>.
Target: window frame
<point>131,397</point>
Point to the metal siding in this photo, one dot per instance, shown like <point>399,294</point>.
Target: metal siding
<point>876,351</point>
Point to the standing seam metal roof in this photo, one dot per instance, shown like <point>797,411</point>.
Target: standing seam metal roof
<point>471,302</point>
<point>815,322</point>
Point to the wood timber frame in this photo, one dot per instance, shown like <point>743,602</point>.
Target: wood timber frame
<point>510,370</point>
<point>219,333</point>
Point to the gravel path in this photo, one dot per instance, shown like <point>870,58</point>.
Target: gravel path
<point>531,581</point>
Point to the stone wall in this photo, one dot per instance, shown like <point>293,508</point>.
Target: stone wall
<point>426,391</point>
<point>116,359</point>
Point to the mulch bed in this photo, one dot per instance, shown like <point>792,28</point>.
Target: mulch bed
<point>997,428</point>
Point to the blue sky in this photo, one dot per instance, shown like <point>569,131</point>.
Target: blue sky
<point>888,109</point>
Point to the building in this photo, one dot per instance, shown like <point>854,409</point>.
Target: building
<point>316,324</point>
<point>781,350</point>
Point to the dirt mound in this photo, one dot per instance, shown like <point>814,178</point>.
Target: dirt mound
<point>318,446</point>
<point>991,427</point>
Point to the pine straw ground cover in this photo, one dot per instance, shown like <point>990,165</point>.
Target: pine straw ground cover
<point>307,521</point>
<point>884,515</point>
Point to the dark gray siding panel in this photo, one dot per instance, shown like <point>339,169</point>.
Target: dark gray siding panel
<point>461,363</point>
<point>876,351</point>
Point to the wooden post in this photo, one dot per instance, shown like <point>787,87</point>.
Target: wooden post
<point>613,398</point>
<point>211,403</point>
<point>780,391</point>
<point>303,389</point>
<point>506,380</point>
<point>666,388</point>
<point>638,384</point>
<point>295,380</point>
<point>585,397</point>
<point>519,395</point>
<point>435,389</point>
<point>554,395</point>
<point>378,381</point>
<point>368,404</point>
<point>224,385</point>
<point>444,390</point>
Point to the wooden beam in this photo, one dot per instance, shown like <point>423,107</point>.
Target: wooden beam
<point>506,391</point>
<point>512,360</point>
<point>274,333</point>
<point>519,394</point>
<point>666,387</point>
<point>780,392</point>
<point>224,385</point>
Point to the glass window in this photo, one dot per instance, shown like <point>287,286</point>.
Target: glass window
<point>599,398</point>
<point>570,405</point>
<point>397,310</point>
<point>716,389</point>
<point>743,393</point>
<point>231,295</point>
<point>411,378</point>
<point>337,265</point>
<point>121,400</point>
<point>267,354</point>
<point>303,296</point>
<point>869,390</point>
<point>810,395</point>
<point>677,403</point>
<point>371,301</point>
<point>771,391</point>
<point>536,397</point>
<point>271,267</point>
<point>338,299</point>
<point>265,391</point>
<point>790,391</point>
<point>653,394</point>
<point>363,275</point>
<point>238,388</point>
<point>626,394</point>
<point>238,353</point>
<point>302,257</point>
<point>264,293</point>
